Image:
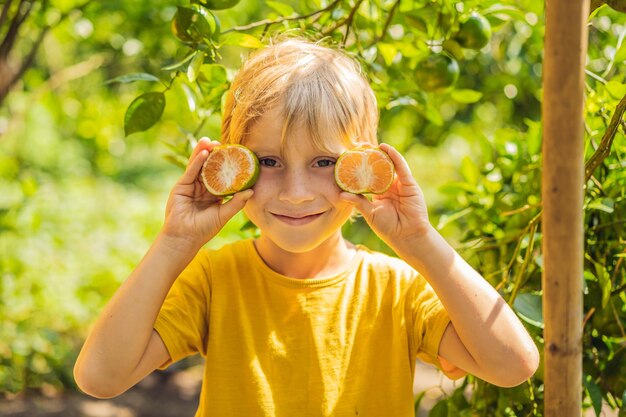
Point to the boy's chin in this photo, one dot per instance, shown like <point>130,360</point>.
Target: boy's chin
<point>296,244</point>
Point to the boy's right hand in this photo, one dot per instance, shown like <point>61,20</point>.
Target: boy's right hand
<point>193,215</point>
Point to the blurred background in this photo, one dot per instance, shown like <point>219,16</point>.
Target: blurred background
<point>85,174</point>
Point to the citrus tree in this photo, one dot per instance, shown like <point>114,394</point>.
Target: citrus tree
<point>458,85</point>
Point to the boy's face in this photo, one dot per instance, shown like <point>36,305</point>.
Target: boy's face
<point>296,200</point>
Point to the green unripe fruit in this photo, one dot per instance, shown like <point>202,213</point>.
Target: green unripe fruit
<point>474,33</point>
<point>437,72</point>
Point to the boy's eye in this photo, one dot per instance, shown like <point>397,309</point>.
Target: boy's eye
<point>325,162</point>
<point>268,162</point>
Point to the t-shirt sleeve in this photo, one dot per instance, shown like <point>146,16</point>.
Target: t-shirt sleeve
<point>182,322</point>
<point>430,320</point>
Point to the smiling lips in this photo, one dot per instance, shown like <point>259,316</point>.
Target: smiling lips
<point>297,220</point>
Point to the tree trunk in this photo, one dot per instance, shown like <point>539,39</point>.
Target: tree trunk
<point>6,79</point>
<point>562,194</point>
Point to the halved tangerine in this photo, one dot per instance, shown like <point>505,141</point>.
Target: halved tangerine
<point>364,170</point>
<point>230,169</point>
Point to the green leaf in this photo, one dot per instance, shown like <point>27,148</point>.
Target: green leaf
<point>603,204</point>
<point>433,115</point>
<point>446,219</point>
<point>282,9</point>
<point>191,97</point>
<point>129,78</point>
<point>248,226</point>
<point>181,63</point>
<point>440,409</point>
<point>504,12</point>
<point>457,187</point>
<point>217,29</point>
<point>533,136</point>
<point>178,149</point>
<point>418,401</point>
<point>217,4</point>
<point>453,48</point>
<point>469,170</point>
<point>387,51</point>
<point>622,410</point>
<point>595,12</point>
<point>193,25</point>
<point>615,89</point>
<point>466,96</point>
<point>175,160</point>
<point>213,74</point>
<point>604,279</point>
<point>528,307</point>
<point>620,54</point>
<point>414,20</point>
<point>241,39</point>
<point>194,66</point>
<point>595,393</point>
<point>144,112</point>
<point>213,83</point>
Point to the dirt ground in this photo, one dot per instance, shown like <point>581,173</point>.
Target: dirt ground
<point>175,394</point>
<point>159,395</point>
<point>163,394</point>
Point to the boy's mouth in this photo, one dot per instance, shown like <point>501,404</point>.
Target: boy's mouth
<point>297,219</point>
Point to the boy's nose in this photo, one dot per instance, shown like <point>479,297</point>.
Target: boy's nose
<point>295,188</point>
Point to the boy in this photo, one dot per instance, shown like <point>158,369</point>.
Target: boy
<point>301,322</point>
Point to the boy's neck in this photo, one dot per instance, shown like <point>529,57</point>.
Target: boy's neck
<point>326,260</point>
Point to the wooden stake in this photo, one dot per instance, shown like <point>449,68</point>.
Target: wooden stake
<point>562,193</point>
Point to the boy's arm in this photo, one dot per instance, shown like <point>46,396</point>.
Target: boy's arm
<point>123,346</point>
<point>485,337</point>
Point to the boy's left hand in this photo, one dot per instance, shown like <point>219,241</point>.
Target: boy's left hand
<point>400,213</point>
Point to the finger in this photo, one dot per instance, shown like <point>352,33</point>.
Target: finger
<point>232,207</point>
<point>362,204</point>
<point>402,167</point>
<point>194,167</point>
<point>203,143</point>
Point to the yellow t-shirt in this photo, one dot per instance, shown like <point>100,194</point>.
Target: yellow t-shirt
<point>277,346</point>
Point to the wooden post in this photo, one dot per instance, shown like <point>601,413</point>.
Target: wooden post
<point>562,193</point>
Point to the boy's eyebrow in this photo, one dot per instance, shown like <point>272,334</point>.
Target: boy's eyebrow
<point>265,150</point>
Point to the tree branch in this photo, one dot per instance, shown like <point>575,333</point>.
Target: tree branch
<point>270,22</point>
<point>383,33</point>
<point>14,27</point>
<point>618,290</point>
<point>350,19</point>
<point>604,149</point>
<point>347,21</point>
<point>5,11</point>
<point>28,60</point>
<point>9,77</point>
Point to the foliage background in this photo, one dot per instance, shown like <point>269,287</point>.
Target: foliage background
<point>80,202</point>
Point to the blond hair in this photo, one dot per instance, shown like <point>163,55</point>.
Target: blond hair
<point>316,87</point>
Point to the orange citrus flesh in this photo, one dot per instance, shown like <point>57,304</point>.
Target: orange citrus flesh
<point>230,169</point>
<point>364,170</point>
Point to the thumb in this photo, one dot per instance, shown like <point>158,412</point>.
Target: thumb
<point>362,204</point>
<point>232,207</point>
